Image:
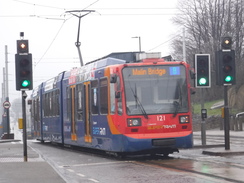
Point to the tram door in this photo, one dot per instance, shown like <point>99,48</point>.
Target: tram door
<point>73,119</point>
<point>87,116</point>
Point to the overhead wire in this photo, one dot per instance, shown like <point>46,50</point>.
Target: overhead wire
<point>64,20</point>
<point>46,6</point>
<point>164,42</point>
<point>51,43</point>
<point>106,14</point>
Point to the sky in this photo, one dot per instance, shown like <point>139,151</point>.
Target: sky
<point>52,32</point>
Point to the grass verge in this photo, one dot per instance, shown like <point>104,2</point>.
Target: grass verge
<point>207,105</point>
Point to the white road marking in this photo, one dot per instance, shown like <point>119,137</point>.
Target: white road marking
<point>70,170</point>
<point>81,175</point>
<point>93,180</point>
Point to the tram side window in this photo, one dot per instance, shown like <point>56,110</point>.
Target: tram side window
<point>46,109</point>
<point>79,101</point>
<point>37,109</point>
<point>104,95</point>
<point>43,104</point>
<point>52,103</point>
<point>57,103</point>
<point>34,110</point>
<point>34,114</point>
<point>119,102</point>
<point>112,98</point>
<point>94,98</point>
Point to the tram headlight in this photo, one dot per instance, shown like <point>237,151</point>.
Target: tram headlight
<point>184,119</point>
<point>134,122</point>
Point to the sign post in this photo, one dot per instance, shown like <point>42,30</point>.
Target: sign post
<point>6,106</point>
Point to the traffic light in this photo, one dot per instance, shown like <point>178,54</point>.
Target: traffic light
<point>23,72</point>
<point>226,67</point>
<point>202,69</point>
<point>226,43</point>
<point>22,46</point>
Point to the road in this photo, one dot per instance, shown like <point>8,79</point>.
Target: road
<point>75,166</point>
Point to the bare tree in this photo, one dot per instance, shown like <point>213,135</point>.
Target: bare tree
<point>206,22</point>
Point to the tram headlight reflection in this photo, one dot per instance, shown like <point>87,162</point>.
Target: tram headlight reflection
<point>134,122</point>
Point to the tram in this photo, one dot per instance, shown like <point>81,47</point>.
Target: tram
<point>117,107</point>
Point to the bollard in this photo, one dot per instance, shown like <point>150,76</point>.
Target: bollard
<point>232,123</point>
<point>236,124</point>
<point>240,125</point>
<point>222,124</point>
<point>222,121</point>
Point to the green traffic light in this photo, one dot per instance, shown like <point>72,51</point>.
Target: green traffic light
<point>228,79</point>
<point>202,81</point>
<point>25,83</point>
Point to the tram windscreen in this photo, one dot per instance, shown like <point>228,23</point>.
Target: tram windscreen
<point>155,89</point>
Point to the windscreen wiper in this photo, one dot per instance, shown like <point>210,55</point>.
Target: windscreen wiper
<point>141,107</point>
<point>177,107</point>
<point>138,102</point>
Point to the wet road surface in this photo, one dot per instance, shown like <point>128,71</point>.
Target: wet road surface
<point>76,166</point>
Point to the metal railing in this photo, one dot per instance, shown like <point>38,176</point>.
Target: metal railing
<point>236,121</point>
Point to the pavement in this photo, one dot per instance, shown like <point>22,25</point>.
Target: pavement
<point>214,149</point>
<point>14,168</point>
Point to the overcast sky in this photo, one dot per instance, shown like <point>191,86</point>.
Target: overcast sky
<point>52,33</point>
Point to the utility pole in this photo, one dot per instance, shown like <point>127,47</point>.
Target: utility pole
<point>77,43</point>
<point>2,101</point>
<point>7,92</point>
<point>139,42</point>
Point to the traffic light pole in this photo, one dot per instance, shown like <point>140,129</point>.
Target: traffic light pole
<point>226,119</point>
<point>203,123</point>
<point>226,71</point>
<point>24,78</point>
<point>24,95</point>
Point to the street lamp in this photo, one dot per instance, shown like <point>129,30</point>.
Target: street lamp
<point>139,42</point>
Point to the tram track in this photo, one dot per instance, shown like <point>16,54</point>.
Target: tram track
<point>215,171</point>
<point>216,168</point>
<point>207,168</point>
